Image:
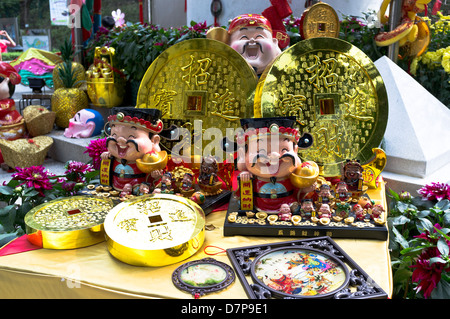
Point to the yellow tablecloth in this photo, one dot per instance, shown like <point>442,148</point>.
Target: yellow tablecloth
<point>92,272</point>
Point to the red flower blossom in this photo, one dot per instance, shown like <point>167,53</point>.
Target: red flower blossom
<point>435,191</point>
<point>34,177</point>
<point>95,149</point>
<point>428,276</point>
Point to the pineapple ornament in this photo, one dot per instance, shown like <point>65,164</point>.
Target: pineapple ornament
<point>68,99</point>
<point>78,69</point>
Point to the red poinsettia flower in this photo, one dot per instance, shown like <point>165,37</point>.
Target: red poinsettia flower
<point>95,149</point>
<point>34,177</point>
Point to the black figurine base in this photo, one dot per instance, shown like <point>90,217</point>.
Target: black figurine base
<point>242,225</point>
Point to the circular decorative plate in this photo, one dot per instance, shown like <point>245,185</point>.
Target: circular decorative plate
<point>203,276</point>
<point>67,223</point>
<point>296,272</point>
<point>155,230</point>
<point>337,95</point>
<point>201,79</point>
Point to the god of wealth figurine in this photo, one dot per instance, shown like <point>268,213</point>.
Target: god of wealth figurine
<point>267,156</point>
<point>133,153</point>
<point>352,175</point>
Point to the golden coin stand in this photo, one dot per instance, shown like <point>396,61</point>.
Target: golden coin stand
<point>336,94</point>
<point>199,79</point>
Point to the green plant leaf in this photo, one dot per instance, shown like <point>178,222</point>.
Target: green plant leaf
<point>399,238</point>
<point>442,290</point>
<point>443,246</point>
<point>6,190</point>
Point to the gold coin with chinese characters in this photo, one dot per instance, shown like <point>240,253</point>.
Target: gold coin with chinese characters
<point>200,79</point>
<point>336,94</point>
<point>319,20</point>
<point>68,223</point>
<point>155,230</point>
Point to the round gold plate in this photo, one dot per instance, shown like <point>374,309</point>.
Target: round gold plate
<point>336,94</point>
<point>200,79</point>
<point>67,223</point>
<point>155,230</point>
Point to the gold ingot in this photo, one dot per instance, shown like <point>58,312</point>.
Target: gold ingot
<point>305,175</point>
<point>296,219</point>
<point>336,94</point>
<point>219,34</point>
<point>200,79</point>
<point>150,163</point>
<point>319,20</point>
<point>272,218</point>
<point>155,230</point>
<point>68,223</point>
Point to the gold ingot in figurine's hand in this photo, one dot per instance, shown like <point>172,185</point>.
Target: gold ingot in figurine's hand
<point>305,174</point>
<point>152,162</point>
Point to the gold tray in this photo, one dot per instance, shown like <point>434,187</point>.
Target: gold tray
<point>337,95</point>
<point>155,230</point>
<point>68,223</point>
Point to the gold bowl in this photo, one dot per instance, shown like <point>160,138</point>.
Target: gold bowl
<point>151,163</point>
<point>305,174</point>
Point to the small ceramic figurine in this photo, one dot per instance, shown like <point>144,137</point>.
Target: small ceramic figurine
<point>127,190</point>
<point>325,195</point>
<point>251,36</point>
<point>208,180</point>
<point>307,209</point>
<point>11,122</point>
<point>341,192</point>
<point>165,186</point>
<point>267,155</point>
<point>144,188</point>
<point>187,182</point>
<point>133,137</point>
<point>324,214</point>
<point>377,211</point>
<point>359,212</point>
<point>352,175</point>
<point>85,123</point>
<point>285,213</point>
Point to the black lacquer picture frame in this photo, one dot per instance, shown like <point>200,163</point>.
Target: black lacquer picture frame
<point>354,284</point>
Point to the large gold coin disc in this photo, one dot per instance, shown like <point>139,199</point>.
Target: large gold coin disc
<point>68,223</point>
<point>319,20</point>
<point>155,230</point>
<point>200,79</point>
<point>336,94</point>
